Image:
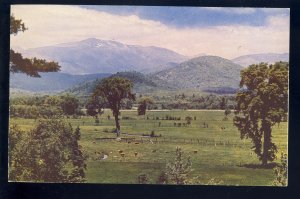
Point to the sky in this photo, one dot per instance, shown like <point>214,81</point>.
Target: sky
<point>190,31</point>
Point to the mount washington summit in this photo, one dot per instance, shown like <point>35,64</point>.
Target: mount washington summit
<point>102,56</point>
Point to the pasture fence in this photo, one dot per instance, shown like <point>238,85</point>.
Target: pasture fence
<point>170,140</point>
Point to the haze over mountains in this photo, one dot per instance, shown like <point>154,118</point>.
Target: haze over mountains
<point>149,67</point>
<point>270,58</point>
<point>101,56</point>
<point>50,82</point>
<point>201,73</point>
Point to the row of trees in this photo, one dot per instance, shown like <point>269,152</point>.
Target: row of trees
<point>203,102</point>
<point>45,107</point>
<point>35,112</point>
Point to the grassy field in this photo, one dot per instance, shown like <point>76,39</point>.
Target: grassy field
<point>216,151</point>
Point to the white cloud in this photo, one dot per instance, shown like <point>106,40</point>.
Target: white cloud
<point>279,21</point>
<point>49,25</point>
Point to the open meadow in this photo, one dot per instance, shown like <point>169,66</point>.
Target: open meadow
<point>149,141</point>
<point>148,95</point>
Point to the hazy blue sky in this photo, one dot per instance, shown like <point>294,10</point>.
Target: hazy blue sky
<point>227,32</point>
<point>195,16</point>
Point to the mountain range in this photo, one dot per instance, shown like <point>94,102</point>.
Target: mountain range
<point>141,84</point>
<point>197,73</point>
<point>102,56</point>
<point>205,73</point>
<point>150,68</point>
<point>202,72</point>
<point>270,58</point>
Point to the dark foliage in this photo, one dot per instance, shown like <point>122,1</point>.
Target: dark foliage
<point>69,104</point>
<point>112,91</point>
<point>261,104</point>
<point>48,153</point>
<point>33,66</point>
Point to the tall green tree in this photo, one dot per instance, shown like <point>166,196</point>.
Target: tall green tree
<point>188,120</point>
<point>48,153</point>
<point>33,66</point>
<point>113,90</point>
<point>144,102</point>
<point>69,104</point>
<point>261,103</point>
<point>223,103</point>
<point>95,105</point>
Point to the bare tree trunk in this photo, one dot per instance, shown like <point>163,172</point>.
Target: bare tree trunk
<point>117,124</point>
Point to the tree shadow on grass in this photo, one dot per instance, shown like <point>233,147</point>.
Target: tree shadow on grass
<point>259,166</point>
